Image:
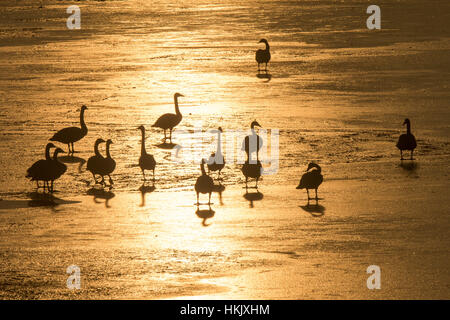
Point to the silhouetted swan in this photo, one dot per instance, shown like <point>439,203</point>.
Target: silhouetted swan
<point>204,184</point>
<point>263,56</point>
<point>146,161</point>
<point>95,163</point>
<point>252,170</point>
<point>311,179</point>
<point>37,172</point>
<point>407,141</point>
<point>216,161</point>
<point>170,120</point>
<point>56,169</point>
<point>252,143</point>
<point>109,163</point>
<point>72,134</point>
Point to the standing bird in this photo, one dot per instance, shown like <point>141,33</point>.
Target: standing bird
<point>72,134</point>
<point>170,120</point>
<point>407,141</point>
<point>216,161</point>
<point>263,56</point>
<point>37,172</point>
<point>56,169</point>
<point>204,184</point>
<point>252,170</point>
<point>109,163</point>
<point>252,143</point>
<point>95,163</point>
<point>146,161</point>
<point>311,179</point>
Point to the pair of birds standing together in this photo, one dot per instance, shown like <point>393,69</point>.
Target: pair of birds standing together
<point>101,166</point>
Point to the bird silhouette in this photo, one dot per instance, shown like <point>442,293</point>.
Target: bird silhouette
<point>170,120</point>
<point>216,161</point>
<point>252,143</point>
<point>407,141</point>
<point>252,170</point>
<point>109,163</point>
<point>146,161</point>
<point>37,172</point>
<point>204,183</point>
<point>72,134</point>
<point>263,56</point>
<point>56,169</point>
<point>95,163</point>
<point>311,179</point>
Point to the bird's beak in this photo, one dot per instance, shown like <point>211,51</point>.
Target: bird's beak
<point>260,41</point>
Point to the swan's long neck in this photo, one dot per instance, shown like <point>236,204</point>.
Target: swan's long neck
<point>108,155</point>
<point>177,110</point>
<point>408,128</point>
<point>97,153</point>
<point>202,166</point>
<point>267,46</point>
<point>55,155</point>
<point>253,129</point>
<point>143,151</point>
<point>47,152</point>
<point>318,168</point>
<point>82,123</point>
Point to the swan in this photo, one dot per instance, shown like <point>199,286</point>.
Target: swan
<point>37,171</point>
<point>252,170</point>
<point>170,120</point>
<point>146,161</point>
<point>311,179</point>
<point>204,183</point>
<point>56,168</point>
<point>252,143</point>
<point>95,163</point>
<point>216,161</point>
<point>407,141</point>
<point>109,163</point>
<point>263,56</point>
<point>72,134</point>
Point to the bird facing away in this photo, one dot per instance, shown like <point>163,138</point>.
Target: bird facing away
<point>216,161</point>
<point>146,161</point>
<point>56,169</point>
<point>109,163</point>
<point>37,172</point>
<point>311,179</point>
<point>170,120</point>
<point>204,184</point>
<point>263,56</point>
<point>252,143</point>
<point>252,170</point>
<point>407,141</point>
<point>95,163</point>
<point>72,134</point>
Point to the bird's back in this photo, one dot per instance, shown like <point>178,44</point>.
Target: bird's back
<point>407,141</point>
<point>68,135</point>
<point>204,184</point>
<point>252,170</point>
<point>262,56</point>
<point>40,170</point>
<point>94,164</point>
<point>167,121</point>
<point>147,162</point>
<point>310,180</point>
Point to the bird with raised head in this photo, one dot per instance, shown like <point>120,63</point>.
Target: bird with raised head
<point>146,161</point>
<point>38,171</point>
<point>252,143</point>
<point>96,162</point>
<point>170,120</point>
<point>109,163</point>
<point>204,183</point>
<point>263,55</point>
<point>70,135</point>
<point>407,141</point>
<point>311,179</point>
<point>56,168</point>
<point>216,161</point>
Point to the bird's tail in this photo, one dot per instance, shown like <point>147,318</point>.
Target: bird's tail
<point>300,187</point>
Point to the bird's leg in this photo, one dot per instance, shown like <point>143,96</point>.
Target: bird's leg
<point>170,135</point>
<point>412,154</point>
<point>317,198</point>
<point>95,180</point>
<point>198,202</point>
<point>165,136</point>
<point>209,200</point>
<point>51,187</point>
<point>143,173</point>
<point>153,175</point>
<point>103,181</point>
<point>266,67</point>
<point>68,146</point>
<point>307,191</point>
<point>258,67</point>
<point>401,154</point>
<point>257,183</point>
<point>73,150</point>
<point>111,182</point>
<point>37,184</point>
